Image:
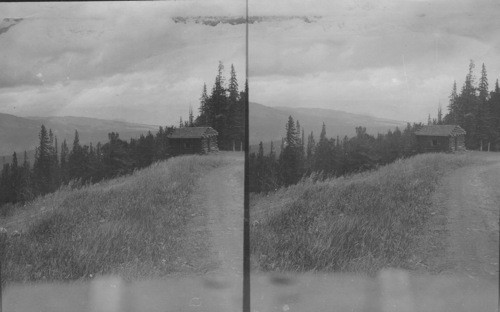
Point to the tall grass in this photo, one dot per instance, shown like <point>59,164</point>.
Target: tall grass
<point>360,223</point>
<point>138,226</point>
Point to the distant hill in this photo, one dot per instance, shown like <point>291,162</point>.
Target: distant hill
<point>268,123</point>
<point>18,134</point>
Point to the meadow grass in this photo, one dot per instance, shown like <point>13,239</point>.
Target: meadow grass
<point>137,226</point>
<point>360,223</point>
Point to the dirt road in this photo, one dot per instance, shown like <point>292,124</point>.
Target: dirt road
<point>463,237</point>
<point>221,196</point>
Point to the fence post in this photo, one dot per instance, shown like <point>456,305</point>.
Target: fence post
<point>3,239</point>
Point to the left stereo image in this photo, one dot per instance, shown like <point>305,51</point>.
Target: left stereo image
<point>122,138</point>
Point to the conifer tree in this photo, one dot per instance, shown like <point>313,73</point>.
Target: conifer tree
<point>202,119</point>
<point>484,123</point>
<point>291,162</point>
<point>64,173</point>
<point>26,191</point>
<point>43,163</point>
<point>233,87</point>
<point>323,154</point>
<point>77,161</point>
<point>452,116</point>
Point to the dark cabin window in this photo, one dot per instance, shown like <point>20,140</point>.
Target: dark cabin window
<point>434,142</point>
<point>187,145</point>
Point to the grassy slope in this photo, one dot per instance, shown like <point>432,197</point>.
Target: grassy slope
<point>357,224</point>
<point>136,226</point>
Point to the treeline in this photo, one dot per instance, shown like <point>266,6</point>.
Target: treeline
<point>55,165</point>
<point>326,157</point>
<point>476,110</point>
<point>223,110</point>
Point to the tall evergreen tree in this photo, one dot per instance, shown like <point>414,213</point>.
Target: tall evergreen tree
<point>77,160</point>
<point>43,163</point>
<point>64,171</point>
<point>484,122</point>
<point>452,116</point>
<point>204,110</point>
<point>291,162</point>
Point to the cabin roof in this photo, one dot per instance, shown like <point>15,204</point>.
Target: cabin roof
<point>440,130</point>
<point>192,133</point>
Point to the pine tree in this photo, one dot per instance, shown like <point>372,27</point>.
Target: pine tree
<point>311,144</point>
<point>202,119</point>
<point>323,154</point>
<point>452,117</point>
<point>484,122</point>
<point>43,163</point>
<point>468,105</point>
<point>483,85</point>
<point>26,191</point>
<point>219,108</point>
<point>77,160</point>
<point>291,163</point>
<point>64,173</point>
<point>233,87</point>
<point>234,120</point>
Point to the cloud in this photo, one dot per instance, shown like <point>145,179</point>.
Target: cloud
<point>110,59</point>
<point>394,59</point>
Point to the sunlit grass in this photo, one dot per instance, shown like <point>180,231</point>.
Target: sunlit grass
<point>360,223</point>
<point>136,226</point>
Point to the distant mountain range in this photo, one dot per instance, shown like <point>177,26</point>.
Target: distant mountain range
<point>18,134</point>
<point>268,123</point>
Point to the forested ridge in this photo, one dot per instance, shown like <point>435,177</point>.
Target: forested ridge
<point>58,163</point>
<point>474,108</point>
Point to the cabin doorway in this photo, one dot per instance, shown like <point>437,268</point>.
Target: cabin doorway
<point>456,143</point>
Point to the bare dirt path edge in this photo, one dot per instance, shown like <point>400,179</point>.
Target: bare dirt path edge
<point>461,237</point>
<point>220,194</point>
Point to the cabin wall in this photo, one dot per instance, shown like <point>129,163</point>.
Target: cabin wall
<point>209,144</point>
<point>193,146</point>
<point>461,143</point>
<point>185,146</point>
<point>434,143</point>
<point>214,147</point>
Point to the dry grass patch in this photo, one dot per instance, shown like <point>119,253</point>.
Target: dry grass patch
<point>138,226</point>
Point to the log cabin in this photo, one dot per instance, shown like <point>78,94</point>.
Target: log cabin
<point>193,140</point>
<point>441,138</point>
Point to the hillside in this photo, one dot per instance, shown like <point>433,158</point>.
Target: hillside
<point>146,225</point>
<point>18,134</point>
<point>360,223</point>
<point>268,123</point>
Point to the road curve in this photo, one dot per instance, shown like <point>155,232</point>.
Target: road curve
<point>466,238</point>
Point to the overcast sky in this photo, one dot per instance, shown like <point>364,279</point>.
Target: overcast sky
<point>129,60</point>
<point>125,60</point>
<point>394,59</point>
